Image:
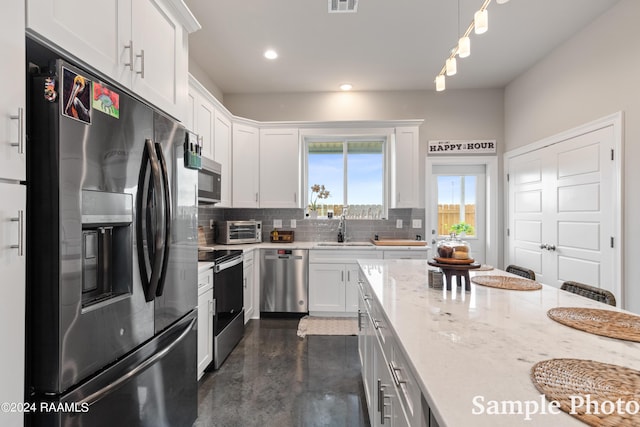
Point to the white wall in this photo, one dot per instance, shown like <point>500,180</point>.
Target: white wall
<point>592,75</point>
<point>196,71</point>
<point>462,114</point>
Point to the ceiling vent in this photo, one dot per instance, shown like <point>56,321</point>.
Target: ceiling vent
<point>343,6</point>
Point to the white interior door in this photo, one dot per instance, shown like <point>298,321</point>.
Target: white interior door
<point>562,202</point>
<point>459,195</point>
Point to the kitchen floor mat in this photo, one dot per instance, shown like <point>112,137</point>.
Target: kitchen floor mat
<point>312,325</point>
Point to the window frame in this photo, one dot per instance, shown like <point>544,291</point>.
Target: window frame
<point>347,135</point>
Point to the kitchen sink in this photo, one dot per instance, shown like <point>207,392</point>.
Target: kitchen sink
<point>343,244</point>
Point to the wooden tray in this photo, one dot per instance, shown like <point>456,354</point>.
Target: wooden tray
<point>507,282</point>
<point>454,261</point>
<point>561,379</point>
<point>606,323</point>
<point>284,236</point>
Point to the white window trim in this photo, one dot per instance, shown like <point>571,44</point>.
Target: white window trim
<point>493,248</point>
<point>350,134</point>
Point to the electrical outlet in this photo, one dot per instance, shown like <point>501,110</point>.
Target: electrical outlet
<point>293,223</point>
<point>398,223</point>
<point>416,223</point>
<point>210,224</point>
<point>277,223</point>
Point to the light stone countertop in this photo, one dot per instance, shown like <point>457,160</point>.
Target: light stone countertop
<point>483,343</point>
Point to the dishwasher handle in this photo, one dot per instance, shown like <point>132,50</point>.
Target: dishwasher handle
<point>285,257</point>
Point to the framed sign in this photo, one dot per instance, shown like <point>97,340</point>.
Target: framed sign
<point>474,146</point>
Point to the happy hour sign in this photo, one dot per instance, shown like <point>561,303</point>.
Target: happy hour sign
<point>475,146</point>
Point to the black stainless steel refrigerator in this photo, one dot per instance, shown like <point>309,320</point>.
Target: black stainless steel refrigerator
<point>112,258</point>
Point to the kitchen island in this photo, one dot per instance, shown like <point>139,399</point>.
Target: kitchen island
<point>456,357</point>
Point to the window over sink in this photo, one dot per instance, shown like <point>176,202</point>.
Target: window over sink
<point>346,171</point>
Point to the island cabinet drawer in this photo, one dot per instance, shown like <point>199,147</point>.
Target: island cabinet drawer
<point>381,327</point>
<point>405,383</point>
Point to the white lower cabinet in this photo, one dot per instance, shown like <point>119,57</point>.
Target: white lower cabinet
<point>406,254</point>
<point>393,395</point>
<point>249,285</point>
<point>205,320</point>
<point>12,299</point>
<point>333,278</point>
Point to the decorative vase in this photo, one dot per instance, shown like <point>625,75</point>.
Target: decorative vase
<point>313,214</point>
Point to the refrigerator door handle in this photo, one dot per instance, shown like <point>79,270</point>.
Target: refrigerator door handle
<point>167,219</point>
<point>154,236</point>
<point>99,394</point>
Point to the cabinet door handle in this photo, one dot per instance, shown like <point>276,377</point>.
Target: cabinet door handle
<point>348,276</point>
<point>211,308</point>
<point>359,318</point>
<point>130,47</point>
<point>342,276</point>
<point>20,220</point>
<point>20,118</point>
<point>295,197</point>
<point>141,56</point>
<point>394,373</point>
<point>256,197</point>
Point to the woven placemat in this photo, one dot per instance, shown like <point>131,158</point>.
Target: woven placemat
<point>598,386</point>
<point>507,282</point>
<point>485,267</point>
<point>607,323</point>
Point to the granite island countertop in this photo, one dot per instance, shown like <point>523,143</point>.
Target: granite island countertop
<point>483,342</point>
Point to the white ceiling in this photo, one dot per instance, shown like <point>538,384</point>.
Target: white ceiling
<point>386,45</point>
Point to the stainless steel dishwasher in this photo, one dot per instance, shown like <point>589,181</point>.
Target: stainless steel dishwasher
<point>284,282</point>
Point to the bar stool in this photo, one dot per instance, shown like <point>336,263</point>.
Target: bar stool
<point>588,291</point>
<point>521,271</point>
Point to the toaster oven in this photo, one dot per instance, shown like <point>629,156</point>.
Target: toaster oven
<point>236,232</point>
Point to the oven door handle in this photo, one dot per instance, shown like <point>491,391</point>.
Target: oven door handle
<point>227,264</point>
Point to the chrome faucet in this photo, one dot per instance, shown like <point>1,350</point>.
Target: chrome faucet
<point>342,226</point>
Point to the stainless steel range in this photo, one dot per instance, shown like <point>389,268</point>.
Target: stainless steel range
<point>228,297</point>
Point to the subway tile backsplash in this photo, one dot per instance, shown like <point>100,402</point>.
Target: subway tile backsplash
<point>318,230</point>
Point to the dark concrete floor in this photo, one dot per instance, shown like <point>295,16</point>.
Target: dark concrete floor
<point>275,378</point>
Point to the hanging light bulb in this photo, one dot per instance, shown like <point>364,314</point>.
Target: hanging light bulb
<point>440,85</point>
<point>464,47</point>
<point>451,66</point>
<point>481,21</point>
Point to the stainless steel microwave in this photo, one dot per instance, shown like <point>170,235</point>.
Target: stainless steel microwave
<point>209,182</point>
<point>236,232</point>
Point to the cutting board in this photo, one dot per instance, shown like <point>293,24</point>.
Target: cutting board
<point>398,242</point>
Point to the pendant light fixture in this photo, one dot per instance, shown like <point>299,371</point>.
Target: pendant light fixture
<point>481,21</point>
<point>464,47</point>
<point>451,66</point>
<point>479,25</point>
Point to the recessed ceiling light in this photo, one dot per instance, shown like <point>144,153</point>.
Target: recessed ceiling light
<point>346,86</point>
<point>270,54</point>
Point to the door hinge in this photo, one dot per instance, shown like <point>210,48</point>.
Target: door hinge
<point>612,242</point>
<point>507,177</point>
<point>612,154</point>
<point>508,232</point>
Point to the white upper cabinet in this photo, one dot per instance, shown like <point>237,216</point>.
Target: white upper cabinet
<point>222,154</point>
<point>212,123</point>
<point>142,44</point>
<point>12,86</point>
<point>246,146</point>
<point>405,176</point>
<point>279,168</point>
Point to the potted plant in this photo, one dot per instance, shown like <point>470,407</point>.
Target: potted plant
<point>461,229</point>
<point>318,191</point>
